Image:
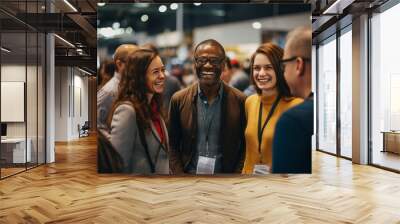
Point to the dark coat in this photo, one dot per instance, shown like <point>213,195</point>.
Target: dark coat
<point>291,151</point>
<point>182,129</point>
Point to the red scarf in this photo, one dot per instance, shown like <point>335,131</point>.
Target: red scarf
<point>155,118</point>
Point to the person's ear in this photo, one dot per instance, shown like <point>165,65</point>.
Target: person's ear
<point>299,66</point>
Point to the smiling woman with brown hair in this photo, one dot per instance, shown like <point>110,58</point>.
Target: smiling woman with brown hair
<point>264,108</point>
<point>137,129</point>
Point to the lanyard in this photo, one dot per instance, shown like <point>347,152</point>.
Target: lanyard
<point>271,111</point>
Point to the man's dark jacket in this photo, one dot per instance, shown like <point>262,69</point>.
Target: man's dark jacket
<point>182,129</point>
<point>291,151</point>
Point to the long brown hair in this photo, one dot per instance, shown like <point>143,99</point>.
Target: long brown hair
<point>274,54</point>
<point>133,86</point>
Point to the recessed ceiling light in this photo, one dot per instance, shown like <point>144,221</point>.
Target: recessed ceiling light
<point>115,25</point>
<point>129,30</point>
<point>197,3</point>
<point>162,8</point>
<point>101,4</point>
<point>174,6</point>
<point>144,18</point>
<point>257,25</point>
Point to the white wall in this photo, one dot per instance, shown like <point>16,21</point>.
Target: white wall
<point>71,93</point>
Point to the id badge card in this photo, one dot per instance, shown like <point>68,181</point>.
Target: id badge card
<point>261,169</point>
<point>205,165</point>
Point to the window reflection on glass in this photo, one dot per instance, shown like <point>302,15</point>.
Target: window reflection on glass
<point>346,94</point>
<point>327,96</point>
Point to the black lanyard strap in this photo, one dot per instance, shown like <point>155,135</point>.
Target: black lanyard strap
<point>271,111</point>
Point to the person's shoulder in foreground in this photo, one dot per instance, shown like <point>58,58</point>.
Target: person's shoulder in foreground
<point>292,142</point>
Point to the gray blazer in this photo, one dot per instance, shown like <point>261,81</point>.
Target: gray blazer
<point>124,136</point>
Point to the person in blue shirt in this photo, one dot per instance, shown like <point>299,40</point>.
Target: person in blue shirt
<point>291,151</point>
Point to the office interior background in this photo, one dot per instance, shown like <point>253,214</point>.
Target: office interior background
<point>48,87</point>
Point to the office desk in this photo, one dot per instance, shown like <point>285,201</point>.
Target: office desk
<point>391,141</point>
<point>13,150</point>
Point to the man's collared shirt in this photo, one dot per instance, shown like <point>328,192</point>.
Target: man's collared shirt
<point>208,129</point>
<point>105,99</point>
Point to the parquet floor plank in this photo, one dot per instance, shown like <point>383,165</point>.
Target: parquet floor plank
<point>71,191</point>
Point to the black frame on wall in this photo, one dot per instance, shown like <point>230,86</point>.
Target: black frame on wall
<point>42,117</point>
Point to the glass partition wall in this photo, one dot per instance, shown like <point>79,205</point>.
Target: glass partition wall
<point>327,96</point>
<point>334,94</point>
<point>22,77</point>
<point>385,89</point>
<point>345,93</point>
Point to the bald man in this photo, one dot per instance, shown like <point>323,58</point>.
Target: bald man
<point>292,141</point>
<point>107,94</point>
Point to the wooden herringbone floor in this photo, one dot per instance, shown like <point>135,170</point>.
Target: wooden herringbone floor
<point>70,191</point>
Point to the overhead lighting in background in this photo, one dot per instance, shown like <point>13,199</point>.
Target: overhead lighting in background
<point>84,71</point>
<point>101,4</point>
<point>5,50</point>
<point>197,3</point>
<point>43,7</point>
<point>257,25</point>
<point>129,30</point>
<point>219,12</point>
<point>142,5</point>
<point>115,25</point>
<point>144,18</point>
<point>70,5</point>
<point>162,8</point>
<point>109,32</point>
<point>174,6</point>
<point>65,41</point>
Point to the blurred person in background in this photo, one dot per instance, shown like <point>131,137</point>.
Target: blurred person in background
<point>189,76</point>
<point>227,72</point>
<point>136,126</point>
<point>207,120</point>
<point>292,142</point>
<point>177,71</point>
<point>106,72</point>
<point>107,94</point>
<point>264,108</point>
<point>239,80</point>
<point>251,89</point>
<point>171,84</point>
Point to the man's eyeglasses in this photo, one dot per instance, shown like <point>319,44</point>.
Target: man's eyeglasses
<point>212,61</point>
<point>283,62</point>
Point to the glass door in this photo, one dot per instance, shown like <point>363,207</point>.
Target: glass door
<point>327,96</point>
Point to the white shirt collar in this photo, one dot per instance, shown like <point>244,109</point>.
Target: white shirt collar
<point>117,75</point>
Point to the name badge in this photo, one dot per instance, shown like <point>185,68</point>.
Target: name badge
<point>205,165</point>
<point>261,169</point>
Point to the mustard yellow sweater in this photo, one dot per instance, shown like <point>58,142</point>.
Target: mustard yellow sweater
<point>252,112</point>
